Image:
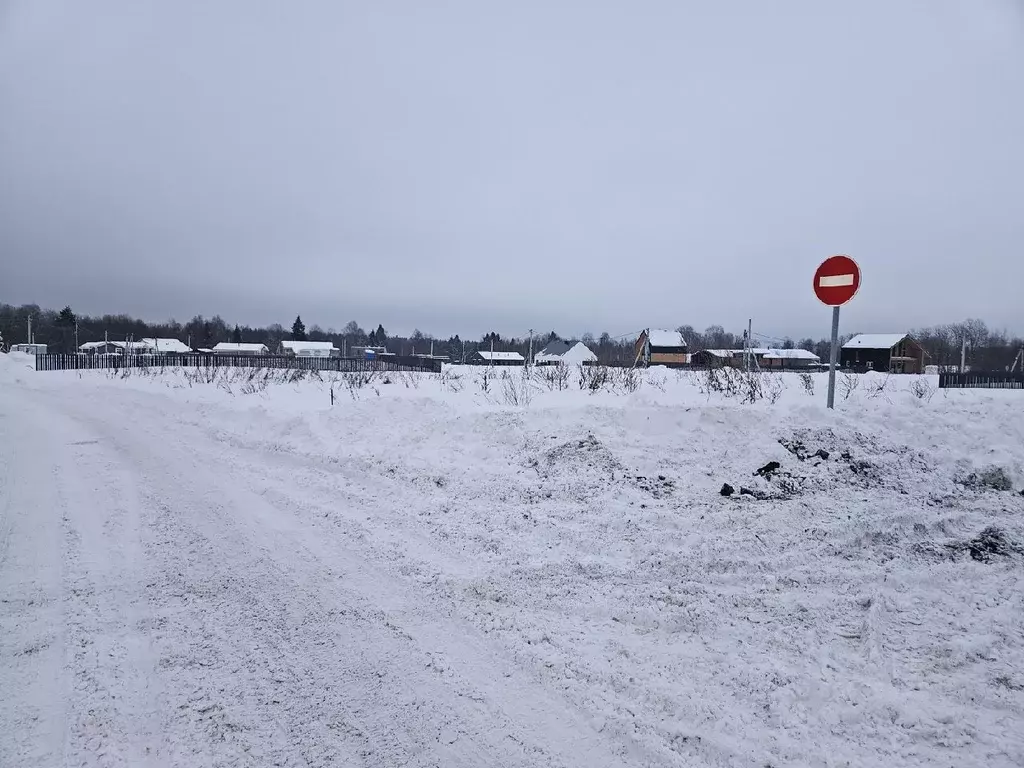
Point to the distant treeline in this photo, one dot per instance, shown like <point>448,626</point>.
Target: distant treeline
<point>987,349</point>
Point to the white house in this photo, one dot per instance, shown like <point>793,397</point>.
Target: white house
<point>231,348</point>
<point>561,353</point>
<point>309,349</point>
<point>167,346</point>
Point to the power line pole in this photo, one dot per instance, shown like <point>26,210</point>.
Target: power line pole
<point>30,329</point>
<point>76,334</point>
<point>963,355</point>
<point>529,358</point>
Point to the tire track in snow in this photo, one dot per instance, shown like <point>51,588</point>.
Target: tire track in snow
<point>278,646</point>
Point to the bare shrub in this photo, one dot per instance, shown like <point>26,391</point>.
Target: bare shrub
<point>658,381</point>
<point>807,382</point>
<point>554,377</point>
<point>773,387</point>
<point>517,390</point>
<point>848,384</point>
<point>922,390</point>
<point>483,380</point>
<point>593,377</point>
<point>450,380</point>
<point>751,386</point>
<point>626,380</point>
<point>880,388</point>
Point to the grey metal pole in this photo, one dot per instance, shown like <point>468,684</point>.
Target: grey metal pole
<point>833,358</point>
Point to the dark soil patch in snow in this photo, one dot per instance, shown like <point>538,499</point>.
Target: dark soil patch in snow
<point>993,478</point>
<point>990,543</point>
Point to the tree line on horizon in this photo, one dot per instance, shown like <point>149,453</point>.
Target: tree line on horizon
<point>987,349</point>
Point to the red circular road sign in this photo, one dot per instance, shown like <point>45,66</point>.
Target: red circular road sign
<point>836,281</point>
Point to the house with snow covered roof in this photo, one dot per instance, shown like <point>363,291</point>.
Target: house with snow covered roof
<point>140,347</point>
<point>309,349</point>
<point>231,348</point>
<point>560,352</point>
<point>167,346</point>
<point>660,347</point>
<point>887,352</point>
<point>486,357</point>
<point>787,358</point>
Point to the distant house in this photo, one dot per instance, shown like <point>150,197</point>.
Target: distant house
<point>562,353</point>
<point>101,348</point>
<point>140,347</point>
<point>486,357</point>
<point>712,358</point>
<point>787,358</point>
<point>167,346</point>
<point>309,349</point>
<point>29,349</point>
<point>231,348</point>
<point>369,353</point>
<point>660,347</point>
<point>887,352</point>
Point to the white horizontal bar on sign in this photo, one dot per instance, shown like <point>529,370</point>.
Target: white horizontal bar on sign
<point>835,281</point>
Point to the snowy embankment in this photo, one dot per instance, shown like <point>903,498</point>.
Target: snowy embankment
<point>463,570</point>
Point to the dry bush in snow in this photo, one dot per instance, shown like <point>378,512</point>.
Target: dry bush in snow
<point>517,390</point>
<point>554,377</point>
<point>450,380</point>
<point>879,388</point>
<point>807,382</point>
<point>773,387</point>
<point>658,381</point>
<point>922,390</point>
<point>593,377</point>
<point>848,384</point>
<point>626,380</point>
<point>483,380</point>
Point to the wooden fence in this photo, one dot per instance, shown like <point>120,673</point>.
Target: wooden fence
<point>59,362</point>
<point>981,380</point>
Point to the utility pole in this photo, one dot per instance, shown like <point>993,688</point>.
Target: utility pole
<point>491,361</point>
<point>30,329</point>
<point>963,355</point>
<point>529,358</point>
<point>750,341</point>
<point>76,334</point>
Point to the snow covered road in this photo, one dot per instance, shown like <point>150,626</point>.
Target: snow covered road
<point>420,576</point>
<point>167,604</point>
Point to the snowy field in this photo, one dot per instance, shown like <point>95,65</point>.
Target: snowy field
<point>460,570</point>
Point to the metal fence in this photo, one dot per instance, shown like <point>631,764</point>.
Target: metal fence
<point>59,362</point>
<point>981,380</point>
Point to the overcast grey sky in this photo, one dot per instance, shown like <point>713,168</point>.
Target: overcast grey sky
<point>464,165</point>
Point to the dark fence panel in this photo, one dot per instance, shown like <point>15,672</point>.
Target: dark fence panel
<point>57,362</point>
<point>981,380</point>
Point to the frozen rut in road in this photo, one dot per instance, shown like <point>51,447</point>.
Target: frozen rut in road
<point>195,615</point>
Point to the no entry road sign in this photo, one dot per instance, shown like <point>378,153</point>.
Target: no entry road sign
<point>836,281</point>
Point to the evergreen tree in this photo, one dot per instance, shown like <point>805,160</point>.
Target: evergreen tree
<point>298,329</point>
<point>66,322</point>
<point>382,336</point>
<point>236,335</point>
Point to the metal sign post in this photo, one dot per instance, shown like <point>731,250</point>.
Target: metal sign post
<point>833,359</point>
<point>836,281</point>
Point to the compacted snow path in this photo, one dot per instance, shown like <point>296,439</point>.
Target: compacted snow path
<point>163,604</point>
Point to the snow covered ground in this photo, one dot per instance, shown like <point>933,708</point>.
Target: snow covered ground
<point>238,573</point>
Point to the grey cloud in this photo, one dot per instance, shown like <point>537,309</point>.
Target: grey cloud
<point>459,167</point>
